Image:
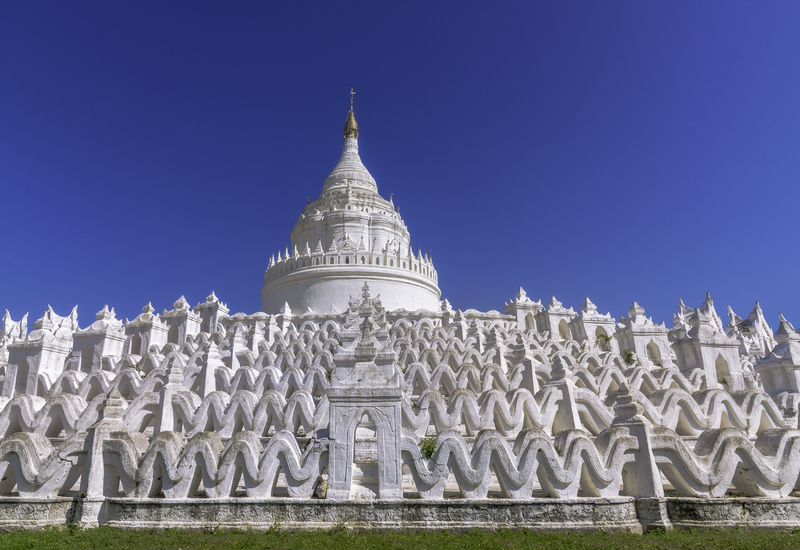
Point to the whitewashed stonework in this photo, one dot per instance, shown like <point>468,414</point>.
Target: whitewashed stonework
<point>396,411</point>
<point>348,236</point>
<point>700,341</point>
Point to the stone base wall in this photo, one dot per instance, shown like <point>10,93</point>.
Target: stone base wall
<point>584,515</point>
<point>21,513</point>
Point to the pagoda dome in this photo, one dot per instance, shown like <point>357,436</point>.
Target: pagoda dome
<point>348,236</point>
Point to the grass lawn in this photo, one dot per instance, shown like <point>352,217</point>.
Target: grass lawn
<point>107,538</point>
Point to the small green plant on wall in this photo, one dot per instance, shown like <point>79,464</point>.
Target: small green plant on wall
<point>603,340</point>
<point>628,356</point>
<point>138,370</point>
<point>428,446</point>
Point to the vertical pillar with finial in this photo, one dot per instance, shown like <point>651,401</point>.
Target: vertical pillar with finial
<point>350,126</point>
<point>97,480</point>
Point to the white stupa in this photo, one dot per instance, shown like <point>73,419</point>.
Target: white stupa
<point>348,236</point>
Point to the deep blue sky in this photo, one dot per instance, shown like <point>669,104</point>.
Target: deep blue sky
<point>618,150</point>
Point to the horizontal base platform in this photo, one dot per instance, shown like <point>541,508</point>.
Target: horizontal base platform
<point>587,515</point>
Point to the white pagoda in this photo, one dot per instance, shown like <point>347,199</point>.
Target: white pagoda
<point>348,236</point>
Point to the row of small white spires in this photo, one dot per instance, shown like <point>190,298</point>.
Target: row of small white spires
<point>422,262</point>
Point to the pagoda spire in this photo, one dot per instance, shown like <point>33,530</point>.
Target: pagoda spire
<point>351,127</point>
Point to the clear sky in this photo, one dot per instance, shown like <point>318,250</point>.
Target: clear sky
<point>623,151</point>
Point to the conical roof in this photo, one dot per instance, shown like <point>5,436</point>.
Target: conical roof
<point>350,169</point>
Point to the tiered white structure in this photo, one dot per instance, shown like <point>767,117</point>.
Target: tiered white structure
<point>349,235</point>
<point>538,417</point>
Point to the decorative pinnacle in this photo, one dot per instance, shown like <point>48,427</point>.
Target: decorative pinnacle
<point>351,127</point>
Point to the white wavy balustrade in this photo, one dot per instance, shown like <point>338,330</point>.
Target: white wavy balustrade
<point>563,466</point>
<point>519,410</point>
<point>175,468</point>
<point>29,462</point>
<point>492,410</point>
<point>769,467</point>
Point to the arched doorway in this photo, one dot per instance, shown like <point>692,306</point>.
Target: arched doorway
<point>365,480</point>
<point>653,354</point>
<point>87,358</point>
<point>602,339</point>
<point>21,381</point>
<point>723,372</point>
<point>136,344</point>
<point>530,324</point>
<point>563,330</point>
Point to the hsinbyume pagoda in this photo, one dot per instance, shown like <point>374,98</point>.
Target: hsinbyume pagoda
<point>357,398</point>
<point>348,236</point>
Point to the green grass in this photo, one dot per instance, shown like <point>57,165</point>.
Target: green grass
<point>108,538</point>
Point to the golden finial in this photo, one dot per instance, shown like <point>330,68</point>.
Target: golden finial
<point>351,127</point>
